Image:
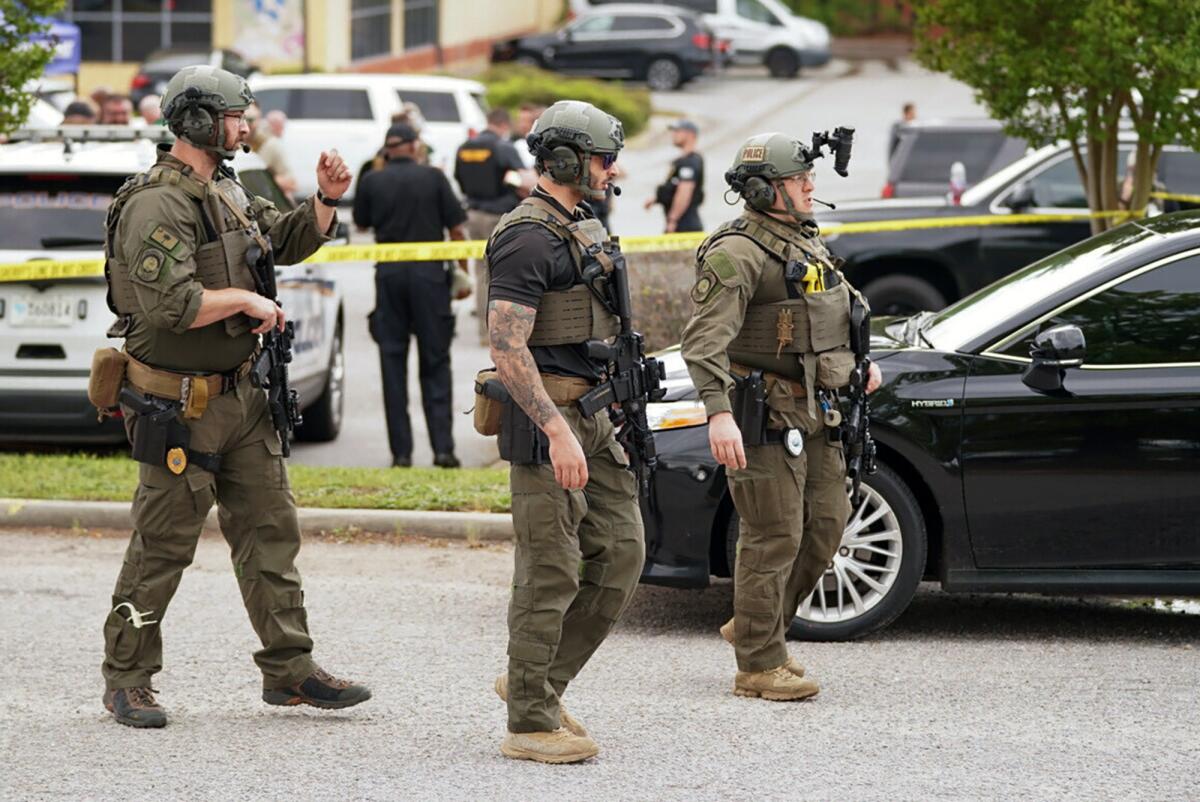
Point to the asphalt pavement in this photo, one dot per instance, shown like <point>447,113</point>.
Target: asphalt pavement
<point>976,697</point>
<point>729,109</point>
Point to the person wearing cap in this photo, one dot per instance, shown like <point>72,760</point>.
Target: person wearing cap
<point>409,202</point>
<point>683,191</point>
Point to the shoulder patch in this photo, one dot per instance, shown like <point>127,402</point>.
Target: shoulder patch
<point>721,265</point>
<point>166,238</point>
<point>705,288</point>
<point>150,263</point>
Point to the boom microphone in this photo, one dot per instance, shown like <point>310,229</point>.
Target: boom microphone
<point>823,203</point>
<point>616,189</point>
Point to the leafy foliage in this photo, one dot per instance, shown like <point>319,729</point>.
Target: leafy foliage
<point>20,59</point>
<point>856,17</point>
<point>1079,71</point>
<point>510,85</point>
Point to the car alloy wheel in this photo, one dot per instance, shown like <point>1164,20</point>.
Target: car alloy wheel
<point>663,75</point>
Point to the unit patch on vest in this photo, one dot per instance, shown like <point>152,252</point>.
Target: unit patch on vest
<point>705,288</point>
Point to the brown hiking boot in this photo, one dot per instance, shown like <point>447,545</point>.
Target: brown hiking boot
<point>792,664</point>
<point>777,685</point>
<point>572,724</point>
<point>559,746</point>
<point>135,707</point>
<point>319,689</point>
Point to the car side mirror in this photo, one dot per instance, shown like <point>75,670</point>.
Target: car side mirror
<point>1021,198</point>
<point>1053,351</point>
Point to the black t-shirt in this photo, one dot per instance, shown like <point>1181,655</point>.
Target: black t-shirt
<point>690,167</point>
<point>482,179</point>
<point>407,202</point>
<point>526,261</point>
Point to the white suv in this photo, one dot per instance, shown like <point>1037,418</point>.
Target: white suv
<point>55,189</point>
<point>352,112</point>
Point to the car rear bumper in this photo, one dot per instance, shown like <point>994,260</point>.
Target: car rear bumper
<point>28,416</point>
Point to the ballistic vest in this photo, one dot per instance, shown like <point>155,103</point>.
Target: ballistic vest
<point>574,316</point>
<point>804,336</point>
<point>227,214</point>
<point>477,172</point>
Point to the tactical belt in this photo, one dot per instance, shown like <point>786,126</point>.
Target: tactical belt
<point>794,388</point>
<point>191,389</point>
<point>564,390</point>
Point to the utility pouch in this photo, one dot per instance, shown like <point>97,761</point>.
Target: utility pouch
<point>105,380</point>
<point>488,407</point>
<point>160,438</point>
<point>521,441</point>
<point>750,407</point>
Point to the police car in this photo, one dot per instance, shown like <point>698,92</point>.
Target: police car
<point>55,188</point>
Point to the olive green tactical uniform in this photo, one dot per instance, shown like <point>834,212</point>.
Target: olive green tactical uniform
<point>170,236</point>
<point>793,508</point>
<point>578,553</point>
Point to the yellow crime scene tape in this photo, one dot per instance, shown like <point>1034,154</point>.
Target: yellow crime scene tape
<point>1175,196</point>
<point>50,270</point>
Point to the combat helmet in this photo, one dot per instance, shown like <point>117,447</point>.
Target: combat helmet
<point>567,135</point>
<point>196,99</point>
<point>762,161</point>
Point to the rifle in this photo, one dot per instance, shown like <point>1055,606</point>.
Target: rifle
<point>270,371</point>
<point>856,432</point>
<point>633,378</point>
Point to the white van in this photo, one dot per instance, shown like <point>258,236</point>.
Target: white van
<point>761,31</point>
<point>352,112</point>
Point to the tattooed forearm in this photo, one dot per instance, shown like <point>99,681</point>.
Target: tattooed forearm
<point>509,327</point>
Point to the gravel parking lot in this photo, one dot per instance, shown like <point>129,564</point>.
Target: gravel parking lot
<point>976,697</point>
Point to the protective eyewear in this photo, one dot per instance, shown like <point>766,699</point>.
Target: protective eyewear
<point>608,160</point>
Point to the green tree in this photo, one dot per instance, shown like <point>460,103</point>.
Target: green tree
<point>20,59</point>
<point>1079,71</point>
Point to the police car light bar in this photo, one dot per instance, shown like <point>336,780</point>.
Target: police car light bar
<point>92,133</point>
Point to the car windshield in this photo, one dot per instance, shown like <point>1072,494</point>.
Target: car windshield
<point>973,316</point>
<point>54,211</point>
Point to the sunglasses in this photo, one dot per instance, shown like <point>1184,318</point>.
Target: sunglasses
<point>608,160</point>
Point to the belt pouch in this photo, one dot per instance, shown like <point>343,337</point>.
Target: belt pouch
<point>488,410</point>
<point>521,441</point>
<point>106,377</point>
<point>750,407</point>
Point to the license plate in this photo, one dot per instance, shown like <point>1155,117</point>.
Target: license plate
<point>43,312</point>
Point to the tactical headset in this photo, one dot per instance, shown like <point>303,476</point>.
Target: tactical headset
<point>190,116</point>
<point>757,191</point>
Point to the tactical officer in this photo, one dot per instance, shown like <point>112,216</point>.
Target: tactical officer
<point>683,191</point>
<point>181,243</point>
<point>488,169</point>
<point>579,543</point>
<point>769,340</point>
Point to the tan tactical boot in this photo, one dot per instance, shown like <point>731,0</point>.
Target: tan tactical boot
<point>777,685</point>
<point>559,746</point>
<point>570,722</point>
<point>792,664</point>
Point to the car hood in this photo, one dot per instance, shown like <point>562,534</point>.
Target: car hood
<point>897,209</point>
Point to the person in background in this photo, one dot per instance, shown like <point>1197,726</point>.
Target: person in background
<point>277,122</point>
<point>270,150</point>
<point>683,191</point>
<point>79,112</point>
<point>908,113</point>
<point>150,109</point>
<point>527,115</point>
<point>405,201</point>
<point>117,110</point>
<point>98,96</point>
<point>488,171</point>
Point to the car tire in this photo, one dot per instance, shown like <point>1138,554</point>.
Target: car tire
<point>887,500</point>
<point>664,75</point>
<point>529,60</point>
<point>323,419</point>
<point>900,294</point>
<point>782,63</point>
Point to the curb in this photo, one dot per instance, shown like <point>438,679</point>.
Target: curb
<point>470,526</point>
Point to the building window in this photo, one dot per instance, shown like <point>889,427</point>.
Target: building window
<point>129,30</point>
<point>420,23</point>
<point>370,28</point>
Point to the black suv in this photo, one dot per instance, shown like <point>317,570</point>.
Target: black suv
<point>924,268</point>
<point>921,153</point>
<point>665,47</point>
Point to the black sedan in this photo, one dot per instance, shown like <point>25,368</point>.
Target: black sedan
<point>665,47</point>
<point>1041,435</point>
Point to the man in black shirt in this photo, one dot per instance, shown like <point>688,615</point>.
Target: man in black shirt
<point>683,191</point>
<point>409,202</point>
<point>488,171</point>
<point>579,537</point>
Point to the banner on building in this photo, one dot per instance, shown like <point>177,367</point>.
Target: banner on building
<point>271,32</point>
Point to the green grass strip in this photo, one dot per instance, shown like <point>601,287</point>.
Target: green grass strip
<point>90,477</point>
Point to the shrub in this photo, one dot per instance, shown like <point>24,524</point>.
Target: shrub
<point>660,287</point>
<point>510,85</point>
